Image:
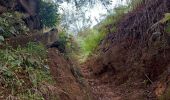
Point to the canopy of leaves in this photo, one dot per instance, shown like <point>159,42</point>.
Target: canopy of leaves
<point>49,14</point>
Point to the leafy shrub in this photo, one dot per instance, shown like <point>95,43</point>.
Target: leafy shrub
<point>166,20</point>
<point>90,38</point>
<point>72,46</point>
<point>23,70</point>
<point>36,49</point>
<point>65,43</point>
<point>48,13</point>
<point>11,23</point>
<point>63,40</point>
<point>89,43</point>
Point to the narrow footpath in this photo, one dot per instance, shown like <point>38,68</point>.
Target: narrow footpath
<point>100,90</point>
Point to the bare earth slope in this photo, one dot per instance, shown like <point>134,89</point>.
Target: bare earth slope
<point>67,85</point>
<point>133,63</point>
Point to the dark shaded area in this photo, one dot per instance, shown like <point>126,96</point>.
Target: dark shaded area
<point>28,7</point>
<point>59,46</point>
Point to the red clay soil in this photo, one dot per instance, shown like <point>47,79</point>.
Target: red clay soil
<point>104,87</point>
<point>100,90</point>
<point>66,82</point>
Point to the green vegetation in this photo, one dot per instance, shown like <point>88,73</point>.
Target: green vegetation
<point>22,71</point>
<point>67,43</point>
<point>90,38</point>
<point>167,29</point>
<point>48,14</point>
<point>90,41</point>
<point>63,41</point>
<point>11,23</point>
<point>166,20</point>
<point>132,4</point>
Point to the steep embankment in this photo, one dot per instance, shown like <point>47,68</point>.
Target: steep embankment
<point>135,59</point>
<point>70,84</point>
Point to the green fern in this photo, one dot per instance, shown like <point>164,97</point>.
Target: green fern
<point>166,18</point>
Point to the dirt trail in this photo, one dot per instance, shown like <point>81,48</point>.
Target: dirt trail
<point>100,90</point>
<point>106,86</point>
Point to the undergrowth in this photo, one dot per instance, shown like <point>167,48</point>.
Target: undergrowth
<point>22,71</point>
<point>12,24</point>
<point>90,38</point>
